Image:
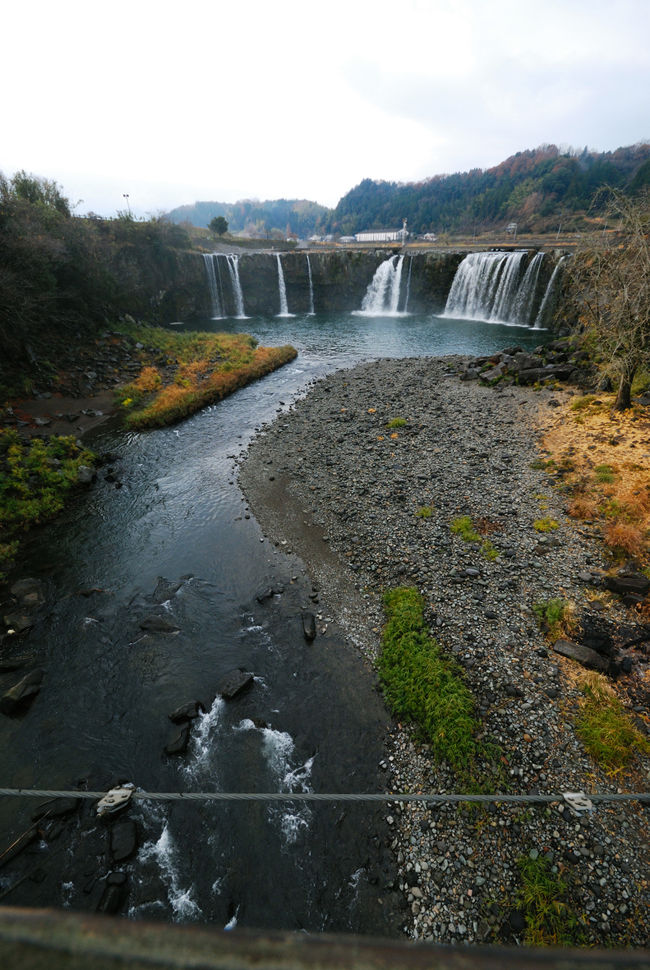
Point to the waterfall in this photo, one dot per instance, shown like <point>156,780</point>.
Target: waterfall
<point>490,287</point>
<point>233,269</point>
<point>408,286</point>
<point>382,295</point>
<point>549,297</point>
<point>284,308</point>
<point>525,301</point>
<point>311,287</point>
<point>211,267</point>
<point>215,283</point>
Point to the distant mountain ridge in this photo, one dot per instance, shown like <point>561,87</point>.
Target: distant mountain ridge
<point>537,188</point>
<point>285,216</point>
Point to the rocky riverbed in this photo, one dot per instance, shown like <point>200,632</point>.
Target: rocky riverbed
<point>363,478</point>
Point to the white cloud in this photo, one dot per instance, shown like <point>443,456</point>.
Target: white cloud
<point>225,100</point>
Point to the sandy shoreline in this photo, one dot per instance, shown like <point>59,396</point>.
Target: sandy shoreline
<point>333,483</point>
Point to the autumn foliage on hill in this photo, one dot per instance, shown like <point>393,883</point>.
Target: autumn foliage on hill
<point>538,188</point>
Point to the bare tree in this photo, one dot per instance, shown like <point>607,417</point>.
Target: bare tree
<point>609,285</point>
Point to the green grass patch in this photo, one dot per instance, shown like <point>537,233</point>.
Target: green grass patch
<point>424,512</point>
<point>606,730</point>
<point>397,423</point>
<point>605,474</point>
<point>422,684</point>
<point>465,528</point>
<point>543,897</point>
<point>555,617</point>
<point>545,524</point>
<point>583,402</point>
<point>35,478</point>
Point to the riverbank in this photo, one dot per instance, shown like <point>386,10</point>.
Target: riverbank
<point>364,479</point>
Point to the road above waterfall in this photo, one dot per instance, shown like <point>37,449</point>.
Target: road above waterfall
<point>334,481</point>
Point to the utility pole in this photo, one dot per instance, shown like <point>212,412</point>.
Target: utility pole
<point>125,195</point>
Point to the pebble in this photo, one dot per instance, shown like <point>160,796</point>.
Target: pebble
<point>364,489</point>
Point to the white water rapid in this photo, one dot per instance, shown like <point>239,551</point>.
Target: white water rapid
<point>382,295</point>
<point>492,287</point>
<point>284,307</point>
<point>311,287</point>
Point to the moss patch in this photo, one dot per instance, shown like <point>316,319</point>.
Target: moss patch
<point>35,478</point>
<point>423,685</point>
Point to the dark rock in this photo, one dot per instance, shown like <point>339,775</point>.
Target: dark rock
<point>18,622</point>
<point>18,696</point>
<point>86,475</point>
<point>116,879</point>
<point>158,624</point>
<point>584,655</point>
<point>7,664</point>
<point>309,626</point>
<point>235,683</point>
<point>123,840</point>
<point>27,587</point>
<point>112,899</point>
<point>187,712</point>
<point>267,592</point>
<point>178,740</point>
<point>56,808</point>
<point>628,583</point>
<point>165,590</point>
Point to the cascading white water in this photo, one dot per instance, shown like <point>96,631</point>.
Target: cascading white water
<point>284,307</point>
<point>311,287</point>
<point>215,283</point>
<point>525,301</point>
<point>233,269</point>
<point>549,296</point>
<point>408,286</point>
<point>211,268</point>
<point>490,287</point>
<point>382,295</point>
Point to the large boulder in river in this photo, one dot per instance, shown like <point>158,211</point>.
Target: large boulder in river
<point>22,693</point>
<point>234,683</point>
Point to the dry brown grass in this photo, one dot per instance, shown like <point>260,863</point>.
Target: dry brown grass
<point>606,456</point>
<point>625,537</point>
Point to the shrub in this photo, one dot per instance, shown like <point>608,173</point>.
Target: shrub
<point>545,524</point>
<point>397,423</point>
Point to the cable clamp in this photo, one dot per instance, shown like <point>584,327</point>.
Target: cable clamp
<point>578,802</point>
<point>116,799</point>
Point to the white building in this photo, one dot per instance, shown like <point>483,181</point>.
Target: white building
<point>383,235</point>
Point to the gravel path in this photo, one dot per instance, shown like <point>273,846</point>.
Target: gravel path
<point>333,483</point>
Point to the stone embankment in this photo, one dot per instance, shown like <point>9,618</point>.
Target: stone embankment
<point>363,478</point>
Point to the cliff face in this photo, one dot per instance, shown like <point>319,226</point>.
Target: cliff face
<point>339,280</point>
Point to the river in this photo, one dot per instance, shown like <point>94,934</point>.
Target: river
<point>177,540</point>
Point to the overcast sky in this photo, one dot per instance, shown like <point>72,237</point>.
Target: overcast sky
<point>176,102</point>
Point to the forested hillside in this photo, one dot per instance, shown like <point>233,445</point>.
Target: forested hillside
<point>62,276</point>
<point>537,188</point>
<point>281,216</point>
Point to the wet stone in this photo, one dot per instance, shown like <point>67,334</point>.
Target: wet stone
<point>234,683</point>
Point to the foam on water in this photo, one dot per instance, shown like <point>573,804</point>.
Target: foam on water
<point>201,748</point>
<point>165,854</point>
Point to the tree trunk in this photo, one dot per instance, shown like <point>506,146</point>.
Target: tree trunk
<point>624,396</point>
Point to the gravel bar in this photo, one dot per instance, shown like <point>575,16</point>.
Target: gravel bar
<point>332,482</point>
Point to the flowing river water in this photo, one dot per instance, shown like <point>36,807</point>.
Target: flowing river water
<point>177,540</point>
